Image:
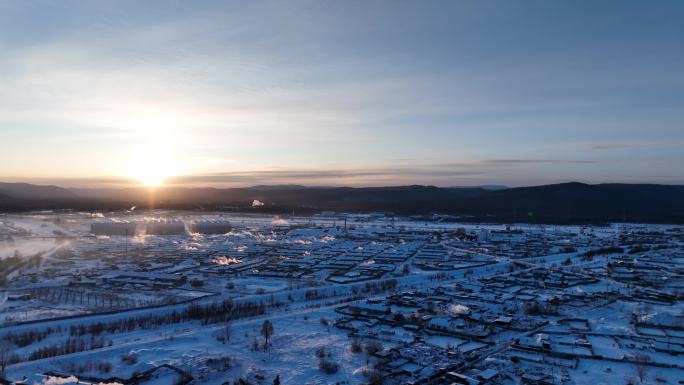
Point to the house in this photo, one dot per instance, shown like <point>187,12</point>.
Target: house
<point>487,374</point>
<point>368,308</point>
<point>440,323</point>
<point>144,278</point>
<point>19,297</point>
<point>462,378</point>
<point>503,320</point>
<point>536,379</point>
<point>82,282</point>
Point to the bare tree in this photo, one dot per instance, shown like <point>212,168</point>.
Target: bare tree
<point>371,348</point>
<point>267,332</point>
<point>228,330</point>
<point>326,322</point>
<point>641,365</point>
<point>6,355</point>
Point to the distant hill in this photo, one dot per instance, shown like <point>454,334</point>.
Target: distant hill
<point>32,191</point>
<point>279,187</point>
<point>4,198</point>
<point>558,203</point>
<point>490,187</point>
<point>493,187</point>
<point>583,202</point>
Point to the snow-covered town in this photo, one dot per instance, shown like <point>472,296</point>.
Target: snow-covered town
<point>164,297</point>
<point>308,192</point>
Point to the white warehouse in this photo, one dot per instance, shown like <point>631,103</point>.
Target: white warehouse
<point>114,228</point>
<point>210,227</point>
<point>164,227</point>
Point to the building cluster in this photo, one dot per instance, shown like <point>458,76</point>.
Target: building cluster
<point>544,321</point>
<point>160,226</point>
<point>468,304</point>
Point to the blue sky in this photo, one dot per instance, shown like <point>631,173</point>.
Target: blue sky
<point>448,93</point>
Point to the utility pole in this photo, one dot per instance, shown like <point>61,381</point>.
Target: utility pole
<point>126,242</point>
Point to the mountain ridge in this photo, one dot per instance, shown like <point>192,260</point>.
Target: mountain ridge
<point>571,202</point>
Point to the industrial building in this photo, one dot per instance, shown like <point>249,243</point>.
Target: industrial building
<point>210,227</point>
<point>164,227</point>
<point>114,228</point>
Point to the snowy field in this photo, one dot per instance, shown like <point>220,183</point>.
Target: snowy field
<point>368,300</point>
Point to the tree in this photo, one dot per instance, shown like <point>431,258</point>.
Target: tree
<point>228,330</point>
<point>326,322</point>
<point>267,332</point>
<point>371,348</point>
<point>328,366</point>
<point>6,355</point>
<point>277,380</point>
<point>641,365</point>
<point>356,346</point>
<point>255,344</point>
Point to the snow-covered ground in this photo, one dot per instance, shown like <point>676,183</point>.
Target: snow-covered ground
<point>330,292</point>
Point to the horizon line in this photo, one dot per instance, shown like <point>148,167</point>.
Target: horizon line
<point>486,186</point>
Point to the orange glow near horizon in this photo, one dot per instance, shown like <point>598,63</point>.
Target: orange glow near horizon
<point>155,157</point>
<point>152,172</point>
<point>152,180</point>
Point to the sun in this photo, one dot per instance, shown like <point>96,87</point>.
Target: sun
<point>154,155</point>
<point>151,174</point>
<point>151,179</point>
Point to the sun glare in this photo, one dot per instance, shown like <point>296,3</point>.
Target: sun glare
<point>151,179</point>
<point>151,174</point>
<point>148,175</point>
<point>155,157</point>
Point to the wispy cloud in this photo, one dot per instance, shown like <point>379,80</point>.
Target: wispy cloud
<point>512,172</point>
<point>445,174</point>
<point>450,94</point>
<point>634,145</point>
<point>537,161</point>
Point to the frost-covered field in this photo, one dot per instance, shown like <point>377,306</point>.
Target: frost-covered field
<point>352,299</point>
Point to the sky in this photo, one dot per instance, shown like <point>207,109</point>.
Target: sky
<point>359,93</point>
